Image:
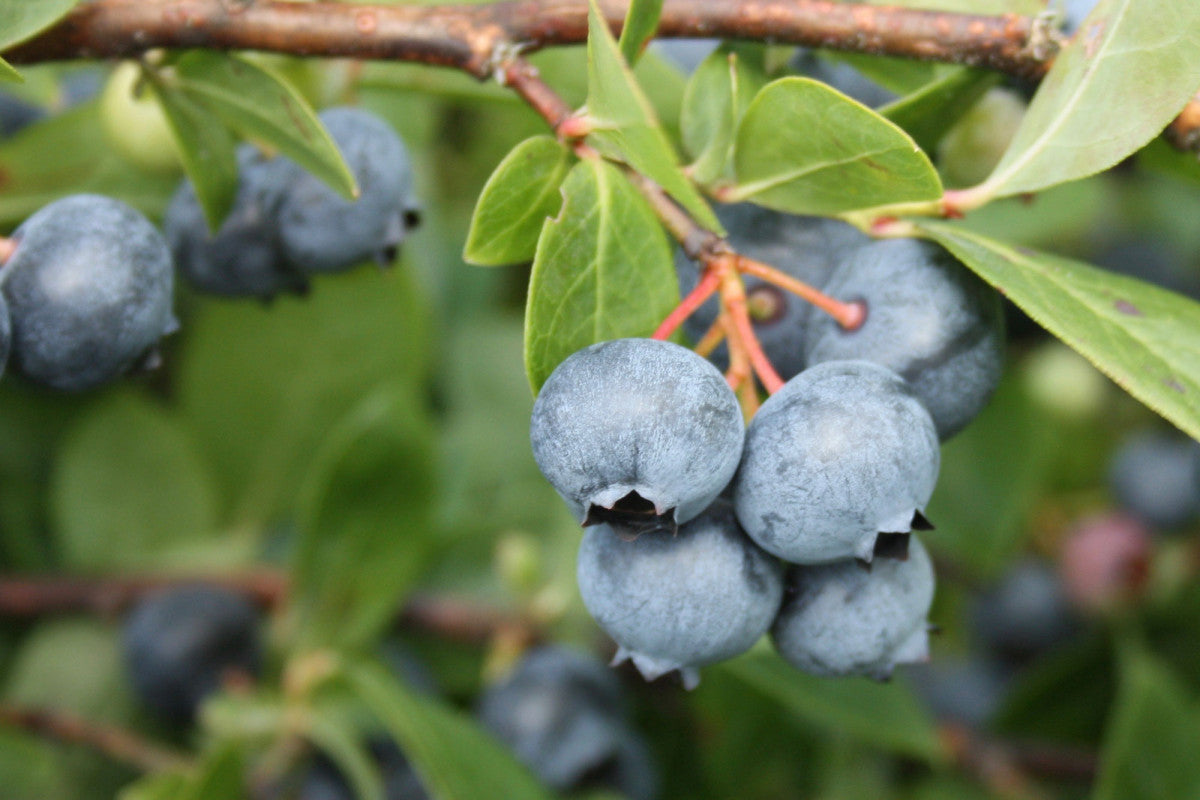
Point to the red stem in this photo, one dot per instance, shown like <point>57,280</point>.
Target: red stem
<point>850,316</point>
<point>710,281</point>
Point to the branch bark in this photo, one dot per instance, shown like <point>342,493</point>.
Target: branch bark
<point>116,743</point>
<point>471,38</point>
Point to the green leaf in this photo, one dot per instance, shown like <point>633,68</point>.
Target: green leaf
<point>1145,338</point>
<point>166,786</point>
<point>454,758</point>
<point>641,20</point>
<point>206,150</point>
<point>807,149</point>
<point>929,112</point>
<point>515,202</point>
<point>886,715</point>
<point>221,776</point>
<point>1152,736</point>
<point>8,73</point>
<point>364,519</point>
<point>603,270</point>
<point>260,105</point>
<point>714,102</point>
<point>624,127</point>
<point>22,19</point>
<point>69,153</point>
<point>159,499</point>
<point>261,387</point>
<point>1122,78</point>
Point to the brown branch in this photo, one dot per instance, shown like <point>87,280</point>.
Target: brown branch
<point>468,37</point>
<point>116,743</point>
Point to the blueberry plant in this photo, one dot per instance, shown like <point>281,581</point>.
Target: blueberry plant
<point>752,399</point>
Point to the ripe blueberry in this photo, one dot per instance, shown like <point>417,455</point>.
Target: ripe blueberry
<point>806,248</point>
<point>928,318</point>
<point>638,431</point>
<point>1024,614</point>
<point>678,601</point>
<point>842,453</point>
<point>840,619</point>
<point>322,232</point>
<point>89,290</point>
<point>1156,477</point>
<point>243,258</point>
<point>560,713</point>
<point>180,645</point>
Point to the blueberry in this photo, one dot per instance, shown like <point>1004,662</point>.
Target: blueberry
<point>5,334</point>
<point>1024,614</point>
<point>322,232</point>
<point>637,431</point>
<point>560,713</point>
<point>17,114</point>
<point>840,619</point>
<point>843,77</point>
<point>928,318</point>
<point>180,645</point>
<point>966,690</point>
<point>1156,477</point>
<point>842,453</point>
<point>89,290</point>
<point>806,248</point>
<point>678,601</point>
<point>244,257</point>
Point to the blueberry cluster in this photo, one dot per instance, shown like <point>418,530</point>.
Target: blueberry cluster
<point>560,713</point>
<point>705,534</point>
<point>286,225</point>
<point>85,293</point>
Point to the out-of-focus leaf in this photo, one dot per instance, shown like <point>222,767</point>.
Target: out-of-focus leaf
<point>21,19</point>
<point>342,744</point>
<point>714,103</point>
<point>129,488</point>
<point>221,776</point>
<point>603,270</point>
<point>260,105</point>
<point>166,786</point>
<point>9,73</point>
<point>1124,75</point>
<point>1152,737</point>
<point>624,126</point>
<point>641,20</point>
<point>67,154</point>
<point>454,758</point>
<point>807,149</point>
<point>1063,697</point>
<point>515,202</point>
<point>1145,338</point>
<point>883,714</point>
<point>206,150</point>
<point>260,387</point>
<point>365,514</point>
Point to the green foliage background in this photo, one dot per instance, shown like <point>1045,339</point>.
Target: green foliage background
<point>371,439</point>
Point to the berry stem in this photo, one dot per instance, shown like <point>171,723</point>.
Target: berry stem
<point>849,315</point>
<point>710,281</point>
<point>739,328</point>
<point>7,248</point>
<point>709,341</point>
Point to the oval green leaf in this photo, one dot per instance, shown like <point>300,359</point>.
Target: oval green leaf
<point>515,202</point>
<point>602,271</point>
<point>714,102</point>
<point>807,149</point>
<point>260,105</point>
<point>22,19</point>
<point>1145,338</point>
<point>641,20</point>
<point>1131,68</point>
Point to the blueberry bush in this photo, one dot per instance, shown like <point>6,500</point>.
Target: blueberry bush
<point>660,399</point>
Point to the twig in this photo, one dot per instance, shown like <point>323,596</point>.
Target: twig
<point>116,743</point>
